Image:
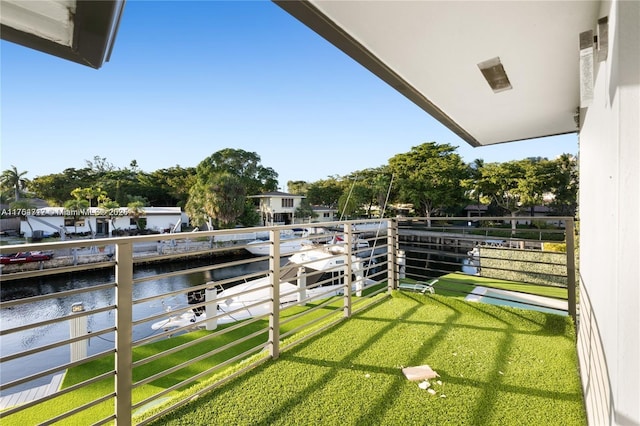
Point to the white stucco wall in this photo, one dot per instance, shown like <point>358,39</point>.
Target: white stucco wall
<point>609,327</point>
<point>158,219</point>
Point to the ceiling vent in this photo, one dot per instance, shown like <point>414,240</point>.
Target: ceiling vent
<point>494,73</point>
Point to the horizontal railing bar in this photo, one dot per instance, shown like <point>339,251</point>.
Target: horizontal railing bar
<point>56,271</point>
<point>54,370</point>
<point>199,358</point>
<point>203,304</point>
<point>55,320</point>
<point>65,293</point>
<point>202,374</point>
<point>204,390</point>
<point>217,333</point>
<point>58,393</point>
<point>39,349</point>
<point>310,323</point>
<point>258,274</point>
<point>308,311</point>
<point>195,342</point>
<point>194,270</point>
<point>105,420</point>
<point>80,408</point>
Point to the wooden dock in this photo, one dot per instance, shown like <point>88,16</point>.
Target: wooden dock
<point>32,394</point>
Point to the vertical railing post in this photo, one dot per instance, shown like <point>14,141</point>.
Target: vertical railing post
<point>348,245</point>
<point>124,332</point>
<point>571,269</point>
<point>211,310</point>
<point>392,262</point>
<point>274,272</point>
<point>301,281</point>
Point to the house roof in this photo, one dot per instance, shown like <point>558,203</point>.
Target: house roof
<point>98,211</point>
<point>276,194</point>
<point>432,51</point>
<point>81,31</point>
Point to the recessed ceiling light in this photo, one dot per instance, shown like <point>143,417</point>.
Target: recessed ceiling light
<point>494,73</point>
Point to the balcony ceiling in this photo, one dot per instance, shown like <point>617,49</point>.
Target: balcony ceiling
<point>82,31</point>
<point>430,50</point>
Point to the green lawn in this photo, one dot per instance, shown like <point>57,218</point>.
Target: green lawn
<point>517,363</point>
<point>497,366</point>
<point>459,285</point>
<point>73,399</point>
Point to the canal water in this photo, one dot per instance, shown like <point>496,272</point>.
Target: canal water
<point>59,307</point>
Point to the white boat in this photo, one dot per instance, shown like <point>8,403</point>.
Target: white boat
<point>471,264</point>
<point>288,246</point>
<point>359,243</point>
<point>313,274</point>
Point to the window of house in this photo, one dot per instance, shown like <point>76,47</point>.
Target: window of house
<point>327,214</point>
<point>69,221</point>
<point>287,202</point>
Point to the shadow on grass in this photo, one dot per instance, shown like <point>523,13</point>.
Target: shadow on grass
<point>487,387</point>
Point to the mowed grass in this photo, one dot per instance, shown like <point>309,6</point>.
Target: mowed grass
<point>497,366</point>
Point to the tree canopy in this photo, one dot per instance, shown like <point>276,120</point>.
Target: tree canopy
<point>429,177</point>
<point>222,183</point>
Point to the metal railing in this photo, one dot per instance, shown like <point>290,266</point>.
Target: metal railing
<point>525,266</point>
<point>145,359</point>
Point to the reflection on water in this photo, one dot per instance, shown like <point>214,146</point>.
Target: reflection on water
<point>59,307</point>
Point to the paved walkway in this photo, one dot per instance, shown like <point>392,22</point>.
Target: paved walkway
<point>28,395</point>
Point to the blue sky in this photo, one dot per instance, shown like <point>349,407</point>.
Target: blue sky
<point>187,79</point>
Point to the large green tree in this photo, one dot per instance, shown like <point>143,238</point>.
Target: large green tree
<point>326,192</point>
<point>169,186</point>
<point>55,188</point>
<point>369,189</point>
<point>564,186</point>
<point>297,187</point>
<point>222,182</point>
<point>222,198</point>
<point>514,185</point>
<point>255,177</point>
<point>429,177</point>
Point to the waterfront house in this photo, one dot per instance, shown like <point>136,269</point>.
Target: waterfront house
<point>325,214</point>
<point>100,222</point>
<point>495,72</point>
<point>276,207</point>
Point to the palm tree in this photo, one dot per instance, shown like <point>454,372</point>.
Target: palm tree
<point>111,207</point>
<point>136,210</point>
<point>13,179</point>
<point>77,206</point>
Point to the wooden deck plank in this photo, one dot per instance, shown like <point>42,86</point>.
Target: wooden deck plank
<point>28,395</point>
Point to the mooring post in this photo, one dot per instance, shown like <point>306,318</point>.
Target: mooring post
<point>78,328</point>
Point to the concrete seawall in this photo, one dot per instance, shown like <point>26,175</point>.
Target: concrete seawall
<point>103,257</point>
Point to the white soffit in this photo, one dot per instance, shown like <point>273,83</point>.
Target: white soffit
<point>432,51</point>
<point>51,19</point>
